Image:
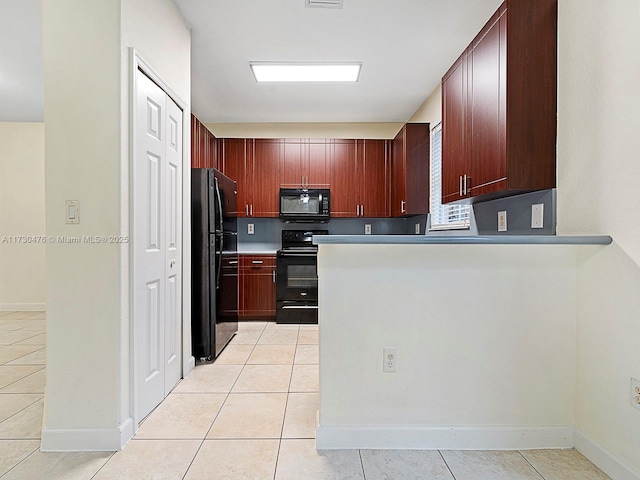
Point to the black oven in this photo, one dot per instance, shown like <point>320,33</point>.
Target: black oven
<point>297,277</point>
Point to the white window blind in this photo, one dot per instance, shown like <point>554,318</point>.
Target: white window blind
<point>443,217</point>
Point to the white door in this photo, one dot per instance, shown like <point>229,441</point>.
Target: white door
<point>157,244</point>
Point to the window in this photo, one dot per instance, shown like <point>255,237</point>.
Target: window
<point>443,217</point>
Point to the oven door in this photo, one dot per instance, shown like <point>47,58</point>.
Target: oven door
<point>296,287</point>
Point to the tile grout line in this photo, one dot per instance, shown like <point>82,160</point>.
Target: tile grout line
<point>364,475</point>
<point>286,403</point>
<point>527,460</point>
<point>24,459</point>
<point>20,379</point>
<point>22,409</point>
<point>447,465</point>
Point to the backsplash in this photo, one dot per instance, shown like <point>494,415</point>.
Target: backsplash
<point>484,219</point>
<point>267,231</point>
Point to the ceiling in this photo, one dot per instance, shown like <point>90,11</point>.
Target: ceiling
<point>404,45</point>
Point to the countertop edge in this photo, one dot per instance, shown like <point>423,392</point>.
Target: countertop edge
<point>459,240</point>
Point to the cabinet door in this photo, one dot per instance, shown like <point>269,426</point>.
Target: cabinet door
<point>398,174</point>
<point>195,152</point>
<point>292,171</point>
<point>257,288</point>
<point>234,154</point>
<point>344,179</point>
<point>264,179</point>
<point>454,148</point>
<point>317,164</point>
<point>373,178</point>
<point>487,77</point>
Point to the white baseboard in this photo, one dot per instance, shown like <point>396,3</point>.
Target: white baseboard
<point>23,307</point>
<point>603,459</point>
<point>87,440</point>
<point>443,438</point>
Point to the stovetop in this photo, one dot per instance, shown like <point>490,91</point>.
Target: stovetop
<point>300,240</point>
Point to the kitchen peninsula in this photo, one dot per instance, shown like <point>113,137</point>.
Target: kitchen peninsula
<point>484,333</point>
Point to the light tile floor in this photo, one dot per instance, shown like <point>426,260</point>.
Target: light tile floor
<point>249,415</point>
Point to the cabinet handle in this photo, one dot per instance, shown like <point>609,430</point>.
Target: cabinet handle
<point>362,210</point>
<point>460,191</point>
<point>233,262</point>
<point>257,262</point>
<point>465,184</point>
<point>357,210</point>
<point>274,276</point>
<point>246,210</point>
<point>302,181</point>
<point>251,210</point>
<point>402,203</point>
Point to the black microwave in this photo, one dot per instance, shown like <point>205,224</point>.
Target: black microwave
<point>304,204</point>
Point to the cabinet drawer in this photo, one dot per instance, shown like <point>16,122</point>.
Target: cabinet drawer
<point>257,261</point>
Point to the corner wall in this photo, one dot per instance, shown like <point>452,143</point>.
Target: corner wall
<point>22,260</point>
<point>88,399</point>
<point>598,173</point>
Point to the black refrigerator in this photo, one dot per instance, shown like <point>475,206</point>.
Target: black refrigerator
<point>214,262</point>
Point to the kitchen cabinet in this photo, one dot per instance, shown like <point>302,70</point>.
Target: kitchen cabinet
<point>203,146</point>
<point>410,170</point>
<point>233,153</point>
<point>257,286</point>
<point>506,76</point>
<point>359,178</point>
<point>305,163</point>
<point>262,179</point>
<point>253,164</point>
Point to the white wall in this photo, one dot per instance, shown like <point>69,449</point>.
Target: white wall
<point>431,110</point>
<point>22,265</point>
<point>305,130</point>
<point>86,70</point>
<point>485,339</point>
<point>598,175</point>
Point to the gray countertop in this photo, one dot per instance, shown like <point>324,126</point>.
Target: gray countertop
<point>470,240</point>
<point>258,248</point>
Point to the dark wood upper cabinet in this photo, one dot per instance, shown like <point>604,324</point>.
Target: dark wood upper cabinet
<point>359,178</point>
<point>499,106</point>
<point>410,170</point>
<point>203,146</point>
<point>373,175</point>
<point>262,178</point>
<point>234,153</point>
<point>305,163</point>
<point>344,179</point>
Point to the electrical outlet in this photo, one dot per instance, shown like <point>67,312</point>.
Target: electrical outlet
<point>417,230</point>
<point>251,229</point>
<point>367,229</point>
<point>537,215</point>
<point>389,356</point>
<point>635,393</point>
<point>502,221</point>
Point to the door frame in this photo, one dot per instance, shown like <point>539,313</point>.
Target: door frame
<point>137,62</point>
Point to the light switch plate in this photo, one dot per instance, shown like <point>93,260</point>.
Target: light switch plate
<point>72,211</point>
<point>251,229</point>
<point>417,229</point>
<point>537,215</point>
<point>502,221</point>
<point>367,229</point>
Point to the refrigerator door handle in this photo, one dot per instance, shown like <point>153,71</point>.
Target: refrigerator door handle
<point>219,205</point>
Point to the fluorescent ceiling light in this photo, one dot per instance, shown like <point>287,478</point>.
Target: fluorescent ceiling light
<point>306,72</point>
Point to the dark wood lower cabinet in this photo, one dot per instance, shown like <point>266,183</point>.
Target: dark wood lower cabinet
<point>257,285</point>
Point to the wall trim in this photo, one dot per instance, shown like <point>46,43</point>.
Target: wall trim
<point>23,307</point>
<point>402,437</point>
<point>603,459</point>
<point>87,439</point>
